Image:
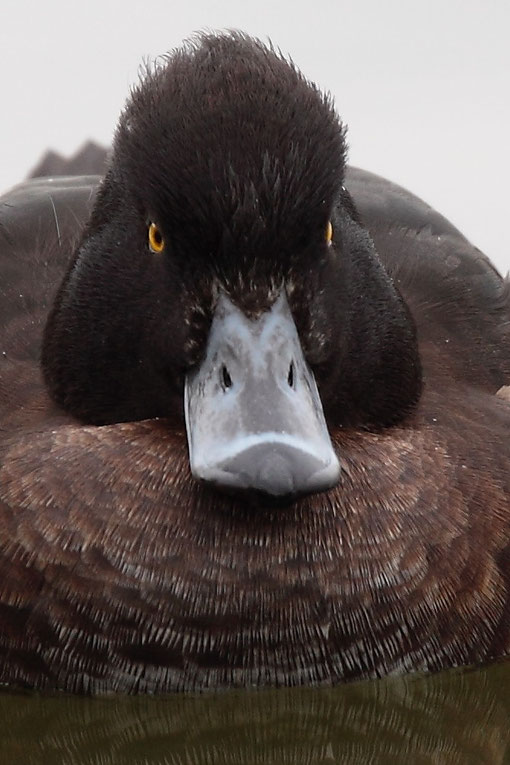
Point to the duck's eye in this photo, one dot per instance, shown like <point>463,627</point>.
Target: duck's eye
<point>156,241</point>
<point>329,232</point>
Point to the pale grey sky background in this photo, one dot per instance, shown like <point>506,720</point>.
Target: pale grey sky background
<point>423,86</point>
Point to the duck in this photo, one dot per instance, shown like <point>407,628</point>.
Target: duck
<point>253,403</point>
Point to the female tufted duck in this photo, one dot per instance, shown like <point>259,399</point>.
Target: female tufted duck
<point>266,446</point>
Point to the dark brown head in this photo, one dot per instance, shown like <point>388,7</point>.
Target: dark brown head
<point>225,263</point>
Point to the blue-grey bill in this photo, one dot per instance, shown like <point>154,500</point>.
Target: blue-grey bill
<point>254,417</point>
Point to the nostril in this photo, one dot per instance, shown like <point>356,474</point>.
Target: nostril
<point>226,380</point>
<point>290,376</point>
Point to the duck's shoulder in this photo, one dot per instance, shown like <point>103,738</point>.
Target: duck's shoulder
<point>460,303</point>
<point>383,203</point>
<point>44,212</point>
<point>40,223</point>
<point>390,210</point>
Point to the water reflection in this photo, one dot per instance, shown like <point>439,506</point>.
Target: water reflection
<point>454,717</point>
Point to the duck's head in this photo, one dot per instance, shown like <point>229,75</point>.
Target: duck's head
<point>225,275</point>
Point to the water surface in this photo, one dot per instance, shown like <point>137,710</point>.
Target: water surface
<point>453,717</point>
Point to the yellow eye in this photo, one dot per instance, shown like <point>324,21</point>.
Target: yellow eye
<point>329,232</point>
<point>156,241</point>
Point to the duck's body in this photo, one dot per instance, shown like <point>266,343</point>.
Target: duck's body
<point>120,572</point>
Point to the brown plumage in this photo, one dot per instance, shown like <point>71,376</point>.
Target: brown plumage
<point>120,572</point>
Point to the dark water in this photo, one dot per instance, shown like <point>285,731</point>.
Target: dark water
<point>454,717</point>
